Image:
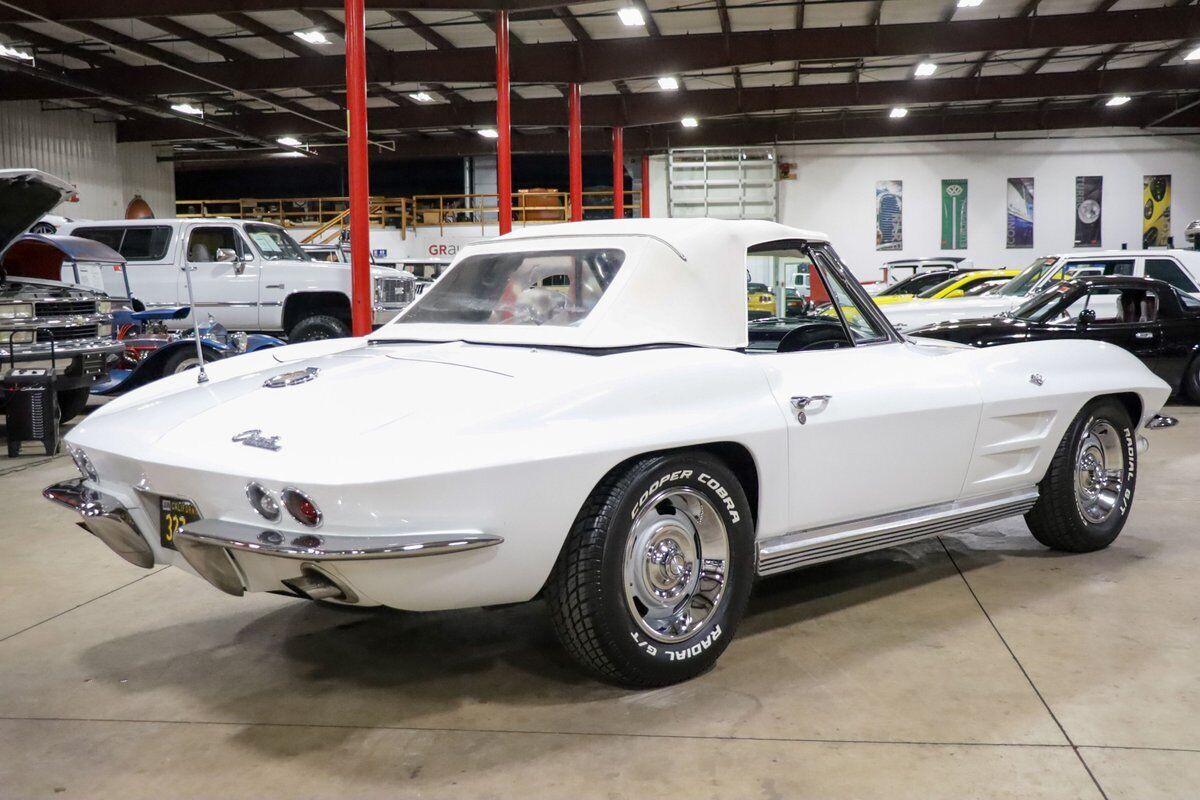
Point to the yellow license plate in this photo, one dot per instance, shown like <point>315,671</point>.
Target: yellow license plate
<point>173,514</point>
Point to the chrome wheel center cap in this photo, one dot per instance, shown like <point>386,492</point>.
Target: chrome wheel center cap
<point>668,567</point>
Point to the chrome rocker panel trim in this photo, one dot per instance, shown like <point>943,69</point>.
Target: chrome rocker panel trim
<point>794,550</point>
<point>306,546</point>
<point>105,518</point>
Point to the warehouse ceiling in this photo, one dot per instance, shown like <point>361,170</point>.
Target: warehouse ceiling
<point>749,72</point>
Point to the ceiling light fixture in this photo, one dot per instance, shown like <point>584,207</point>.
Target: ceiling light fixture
<point>489,133</point>
<point>689,122</point>
<point>898,113</point>
<point>631,17</point>
<point>1193,56</point>
<point>969,3</point>
<point>668,83</point>
<point>12,52</point>
<point>289,141</point>
<point>925,69</point>
<point>1118,100</point>
<point>188,108</point>
<point>422,97</point>
<point>312,37</point>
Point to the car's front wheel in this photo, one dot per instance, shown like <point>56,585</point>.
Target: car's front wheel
<point>656,571</point>
<point>1087,493</point>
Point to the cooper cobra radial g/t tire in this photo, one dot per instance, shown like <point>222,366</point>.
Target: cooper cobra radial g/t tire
<point>656,571</point>
<point>1088,491</point>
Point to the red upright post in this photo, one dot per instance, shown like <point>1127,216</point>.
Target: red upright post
<point>575,152</point>
<point>618,173</point>
<point>645,185</point>
<point>503,125</point>
<point>361,318</point>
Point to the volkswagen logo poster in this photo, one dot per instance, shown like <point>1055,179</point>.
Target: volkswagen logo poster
<point>889,213</point>
<point>954,214</point>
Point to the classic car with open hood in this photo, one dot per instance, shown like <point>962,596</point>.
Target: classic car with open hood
<point>51,313</point>
<point>572,412</point>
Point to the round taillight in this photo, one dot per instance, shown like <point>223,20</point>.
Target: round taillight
<point>301,506</point>
<point>262,502</point>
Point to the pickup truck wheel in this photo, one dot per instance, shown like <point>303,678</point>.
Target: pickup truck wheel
<point>1088,491</point>
<point>656,571</point>
<point>185,358</point>
<point>72,402</point>
<point>318,326</point>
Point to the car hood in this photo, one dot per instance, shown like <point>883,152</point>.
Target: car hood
<point>975,331</point>
<point>26,195</point>
<point>38,289</point>
<point>924,312</point>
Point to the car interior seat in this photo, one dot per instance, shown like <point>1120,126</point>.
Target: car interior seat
<point>199,253</point>
<point>1149,308</point>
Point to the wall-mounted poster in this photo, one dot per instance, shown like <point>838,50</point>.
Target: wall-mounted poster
<point>1089,203</point>
<point>954,214</point>
<point>889,214</point>
<point>1019,226</point>
<point>1156,213</point>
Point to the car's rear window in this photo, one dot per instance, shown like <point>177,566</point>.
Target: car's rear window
<point>556,288</point>
<point>135,243</point>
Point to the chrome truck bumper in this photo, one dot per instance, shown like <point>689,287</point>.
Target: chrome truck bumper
<point>212,547</point>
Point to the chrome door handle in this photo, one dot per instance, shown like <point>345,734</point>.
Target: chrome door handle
<point>273,286</point>
<point>801,404</point>
<point>1143,335</point>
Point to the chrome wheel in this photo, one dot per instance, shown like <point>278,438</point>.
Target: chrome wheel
<point>1099,471</point>
<point>675,564</point>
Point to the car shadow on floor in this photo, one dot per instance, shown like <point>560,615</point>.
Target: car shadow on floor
<point>348,668</point>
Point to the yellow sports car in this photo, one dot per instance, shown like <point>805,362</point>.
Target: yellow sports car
<point>961,284</point>
<point>760,301</point>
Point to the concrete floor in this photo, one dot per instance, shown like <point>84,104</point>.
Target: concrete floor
<point>972,666</point>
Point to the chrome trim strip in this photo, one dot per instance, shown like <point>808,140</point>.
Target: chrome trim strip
<point>802,548</point>
<point>239,537</point>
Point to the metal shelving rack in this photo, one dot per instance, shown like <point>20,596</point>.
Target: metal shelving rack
<point>723,182</point>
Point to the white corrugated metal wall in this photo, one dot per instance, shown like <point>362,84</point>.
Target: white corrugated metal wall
<point>71,145</point>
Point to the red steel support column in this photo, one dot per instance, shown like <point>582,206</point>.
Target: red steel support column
<point>618,173</point>
<point>503,125</point>
<point>575,154</point>
<point>645,185</point>
<point>361,317</point>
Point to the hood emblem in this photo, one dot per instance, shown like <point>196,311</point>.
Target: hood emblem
<point>292,378</point>
<point>254,438</point>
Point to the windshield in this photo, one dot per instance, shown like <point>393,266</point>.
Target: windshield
<point>273,244</point>
<point>558,288</point>
<point>1028,278</point>
<point>1042,305</point>
<point>913,284</point>
<point>933,291</point>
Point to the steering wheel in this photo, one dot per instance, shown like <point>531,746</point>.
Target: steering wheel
<point>814,337</point>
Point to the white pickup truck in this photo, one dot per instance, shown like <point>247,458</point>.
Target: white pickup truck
<point>249,276</point>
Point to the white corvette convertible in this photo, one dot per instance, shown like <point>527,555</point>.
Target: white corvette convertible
<point>576,412</point>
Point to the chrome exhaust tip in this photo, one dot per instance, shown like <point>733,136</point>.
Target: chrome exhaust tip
<point>1161,421</point>
<point>316,583</point>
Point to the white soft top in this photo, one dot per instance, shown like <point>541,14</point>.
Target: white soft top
<point>683,282</point>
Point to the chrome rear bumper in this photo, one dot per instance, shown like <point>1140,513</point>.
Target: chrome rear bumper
<point>105,518</point>
<point>212,546</point>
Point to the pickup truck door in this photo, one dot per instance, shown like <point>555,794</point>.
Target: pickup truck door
<point>876,426</point>
<point>225,275</point>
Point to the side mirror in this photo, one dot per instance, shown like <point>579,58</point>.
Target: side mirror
<point>957,293</point>
<point>1086,317</point>
<point>227,255</point>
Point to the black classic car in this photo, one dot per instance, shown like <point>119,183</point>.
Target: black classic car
<point>1151,319</point>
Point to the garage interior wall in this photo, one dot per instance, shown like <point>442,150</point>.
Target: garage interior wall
<point>72,146</point>
<point>834,192</point>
